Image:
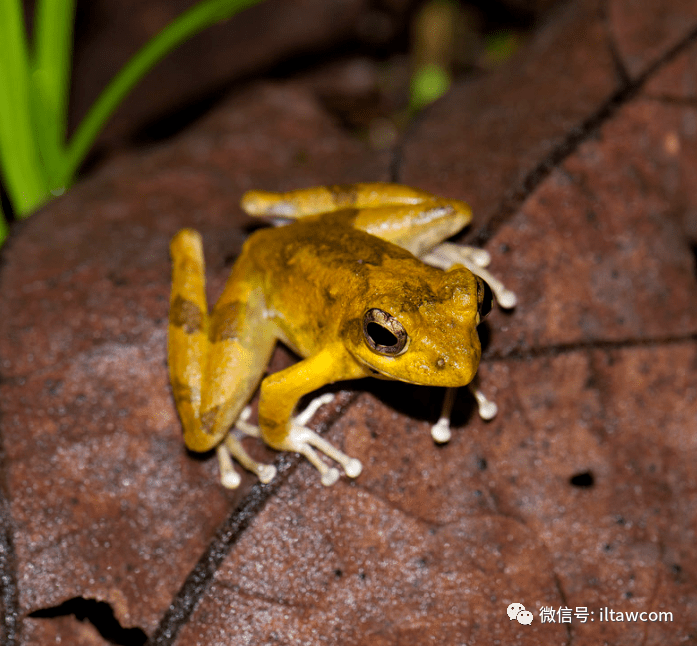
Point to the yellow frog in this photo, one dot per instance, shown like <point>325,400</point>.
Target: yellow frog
<point>360,284</point>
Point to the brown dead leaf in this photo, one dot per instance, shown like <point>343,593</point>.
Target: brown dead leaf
<point>579,157</point>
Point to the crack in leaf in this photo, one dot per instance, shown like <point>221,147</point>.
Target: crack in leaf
<point>574,138</point>
<point>100,614</point>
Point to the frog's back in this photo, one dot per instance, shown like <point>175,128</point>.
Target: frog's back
<point>330,235</point>
<point>314,268</point>
<point>322,249</point>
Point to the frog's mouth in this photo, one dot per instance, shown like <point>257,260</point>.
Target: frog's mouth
<point>377,374</point>
<point>431,377</point>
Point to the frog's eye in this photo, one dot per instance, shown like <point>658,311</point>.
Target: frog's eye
<point>485,299</point>
<point>383,333</point>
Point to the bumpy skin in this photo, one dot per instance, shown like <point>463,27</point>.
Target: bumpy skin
<point>342,286</point>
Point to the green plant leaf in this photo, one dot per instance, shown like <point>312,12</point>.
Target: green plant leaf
<point>178,31</point>
<point>20,160</point>
<point>35,160</point>
<point>3,227</point>
<point>53,35</point>
<point>428,83</point>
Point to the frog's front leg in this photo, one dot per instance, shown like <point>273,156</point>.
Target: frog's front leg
<point>440,431</point>
<point>280,393</point>
<point>215,361</point>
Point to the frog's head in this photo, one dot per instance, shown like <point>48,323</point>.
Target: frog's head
<point>422,331</point>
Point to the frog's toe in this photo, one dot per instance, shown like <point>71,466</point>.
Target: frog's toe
<point>480,257</point>
<point>504,297</point>
<point>307,414</point>
<point>487,408</point>
<point>447,254</point>
<point>229,477</point>
<point>440,431</point>
<point>303,440</point>
<point>230,448</point>
<point>352,467</point>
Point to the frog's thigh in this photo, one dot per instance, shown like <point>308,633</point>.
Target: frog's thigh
<point>241,341</point>
<point>416,227</point>
<point>325,199</point>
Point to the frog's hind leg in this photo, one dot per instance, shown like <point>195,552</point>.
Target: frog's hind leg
<point>327,199</point>
<point>187,339</point>
<point>215,361</point>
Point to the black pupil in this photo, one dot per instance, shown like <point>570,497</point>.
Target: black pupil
<point>381,335</point>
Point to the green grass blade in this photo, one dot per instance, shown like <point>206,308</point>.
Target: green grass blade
<point>20,160</point>
<point>179,30</point>
<point>4,229</point>
<point>53,35</point>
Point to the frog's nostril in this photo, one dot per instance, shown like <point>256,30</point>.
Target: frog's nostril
<point>440,364</point>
